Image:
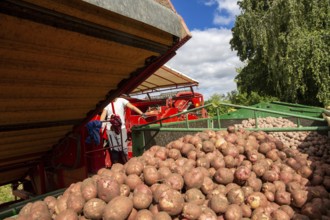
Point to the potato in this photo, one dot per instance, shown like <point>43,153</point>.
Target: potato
<point>159,191</point>
<point>288,210</point>
<point>26,209</point>
<point>124,190</point>
<point>193,179</point>
<point>67,214</point>
<point>76,202</point>
<point>61,203</point>
<point>246,210</point>
<point>162,216</point>
<point>255,183</point>
<point>132,181</point>
<point>207,186</point>
<point>194,196</point>
<point>256,200</point>
<point>151,175</point>
<point>207,214</point>
<point>94,208</point>
<point>144,214</point>
<point>224,176</point>
<point>208,146</point>
<point>51,203</point>
<point>242,173</point>
<point>88,189</point>
<point>233,212</point>
<point>219,203</point>
<point>118,167</point>
<point>299,197</point>
<point>282,198</point>
<point>270,176</point>
<point>280,215</point>
<point>119,207</point>
<point>141,200</point>
<point>174,154</point>
<point>235,196</point>
<point>191,211</point>
<point>39,210</point>
<point>171,201</point>
<point>107,188</point>
<point>134,166</point>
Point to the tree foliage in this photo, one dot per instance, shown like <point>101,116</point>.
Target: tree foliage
<point>286,47</point>
<point>234,97</point>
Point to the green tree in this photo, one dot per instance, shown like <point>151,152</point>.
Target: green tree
<point>286,47</point>
<point>216,99</point>
<point>246,99</point>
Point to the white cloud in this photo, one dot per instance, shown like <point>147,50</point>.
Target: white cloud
<point>207,58</point>
<point>226,11</point>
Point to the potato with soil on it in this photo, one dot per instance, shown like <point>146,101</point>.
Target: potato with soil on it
<point>224,176</point>
<point>194,196</point>
<point>94,208</point>
<point>219,203</point>
<point>171,201</point>
<point>235,196</point>
<point>256,200</point>
<point>158,191</point>
<point>191,211</point>
<point>242,173</point>
<point>119,207</point>
<point>107,188</point>
<point>193,179</point>
<point>175,180</point>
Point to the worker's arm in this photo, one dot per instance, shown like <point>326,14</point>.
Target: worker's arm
<point>103,115</point>
<point>137,110</point>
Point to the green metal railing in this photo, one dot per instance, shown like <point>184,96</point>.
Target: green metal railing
<point>13,210</point>
<point>262,110</point>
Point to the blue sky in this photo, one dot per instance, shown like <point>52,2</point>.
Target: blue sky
<point>207,56</point>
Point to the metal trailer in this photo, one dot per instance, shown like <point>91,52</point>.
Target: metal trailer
<point>308,118</point>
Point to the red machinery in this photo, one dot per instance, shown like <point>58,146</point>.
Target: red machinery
<point>155,109</point>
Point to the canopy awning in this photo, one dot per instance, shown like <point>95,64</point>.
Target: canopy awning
<point>164,78</point>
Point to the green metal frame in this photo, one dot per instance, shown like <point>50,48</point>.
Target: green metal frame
<point>13,210</point>
<point>261,110</point>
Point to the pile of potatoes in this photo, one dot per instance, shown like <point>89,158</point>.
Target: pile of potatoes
<point>211,175</point>
<point>310,142</point>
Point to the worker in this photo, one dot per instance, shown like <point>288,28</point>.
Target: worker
<point>118,139</point>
